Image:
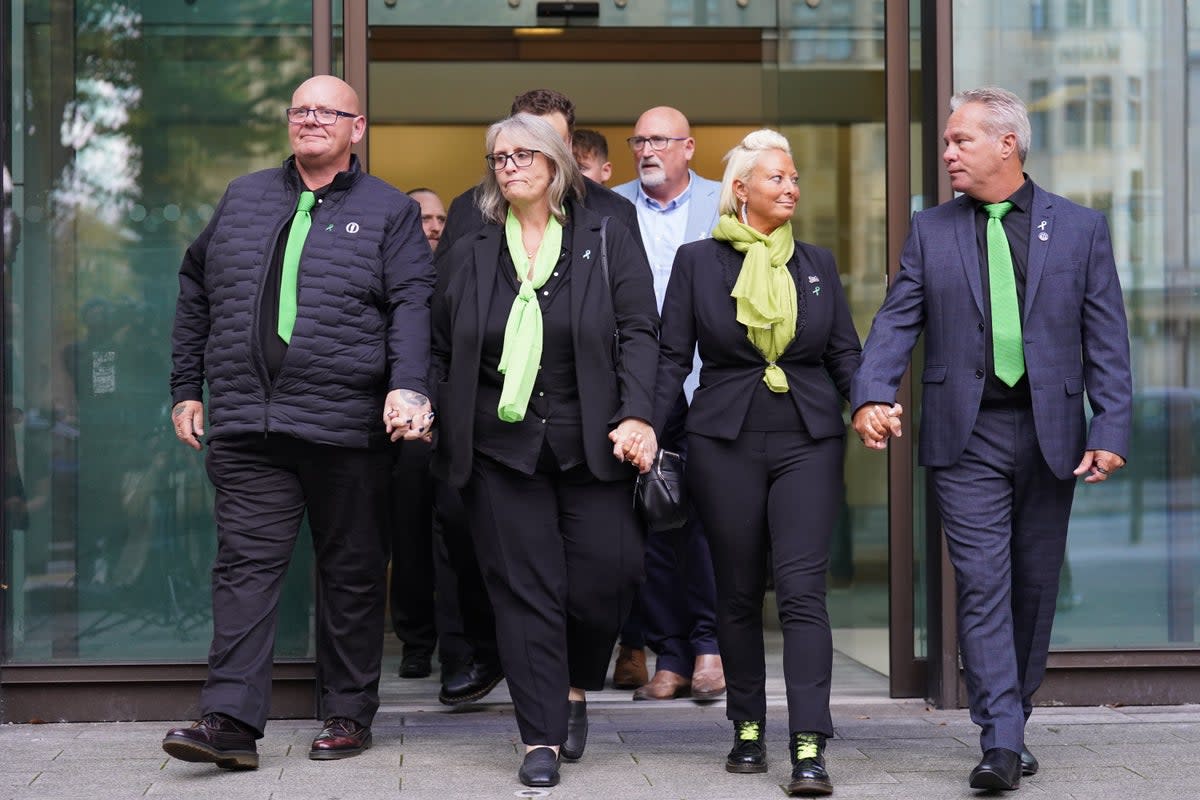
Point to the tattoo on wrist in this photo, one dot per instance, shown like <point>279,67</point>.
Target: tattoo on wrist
<point>178,412</point>
<point>413,398</point>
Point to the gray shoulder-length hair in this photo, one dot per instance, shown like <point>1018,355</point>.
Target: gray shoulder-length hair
<point>740,162</point>
<point>531,132</point>
<point>1006,112</point>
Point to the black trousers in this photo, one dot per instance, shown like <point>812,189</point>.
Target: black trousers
<point>1005,517</point>
<point>561,553</point>
<point>782,490</point>
<point>466,626</point>
<point>264,486</point>
<point>411,592</point>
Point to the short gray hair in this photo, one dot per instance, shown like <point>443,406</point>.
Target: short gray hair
<point>531,132</point>
<point>741,160</point>
<point>1006,112</point>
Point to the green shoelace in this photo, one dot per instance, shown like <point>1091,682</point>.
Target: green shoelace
<point>807,746</point>
<point>748,731</point>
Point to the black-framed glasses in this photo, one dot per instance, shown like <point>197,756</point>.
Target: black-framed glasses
<point>520,158</point>
<point>656,142</point>
<point>323,116</point>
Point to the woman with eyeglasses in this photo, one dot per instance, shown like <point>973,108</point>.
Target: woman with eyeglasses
<point>543,370</point>
<point>765,440</point>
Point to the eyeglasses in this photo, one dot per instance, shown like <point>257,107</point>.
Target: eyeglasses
<point>656,142</point>
<point>323,116</point>
<point>520,158</point>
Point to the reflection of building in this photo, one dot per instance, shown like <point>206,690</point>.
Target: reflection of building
<point>110,564</point>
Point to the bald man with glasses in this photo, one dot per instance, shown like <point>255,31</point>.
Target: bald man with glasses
<point>304,307</point>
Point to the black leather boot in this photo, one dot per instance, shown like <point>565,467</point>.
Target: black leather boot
<point>809,778</point>
<point>749,753</point>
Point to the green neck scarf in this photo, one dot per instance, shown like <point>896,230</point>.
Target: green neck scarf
<point>522,354</point>
<point>765,292</point>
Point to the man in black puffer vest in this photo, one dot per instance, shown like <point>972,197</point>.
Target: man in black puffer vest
<point>304,305</point>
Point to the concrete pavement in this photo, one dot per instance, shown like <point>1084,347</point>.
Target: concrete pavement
<point>636,751</point>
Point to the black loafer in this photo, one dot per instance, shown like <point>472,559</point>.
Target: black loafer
<point>471,684</point>
<point>998,770</point>
<point>540,768</point>
<point>577,731</point>
<point>1029,764</point>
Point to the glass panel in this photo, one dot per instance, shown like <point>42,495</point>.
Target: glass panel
<point>1139,531</point>
<point>638,13</point>
<point>132,119</point>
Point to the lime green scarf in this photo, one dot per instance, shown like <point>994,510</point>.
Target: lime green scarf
<point>765,292</point>
<point>522,353</point>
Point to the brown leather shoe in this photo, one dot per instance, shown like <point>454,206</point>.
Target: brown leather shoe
<point>708,678</point>
<point>340,738</point>
<point>665,685</point>
<point>215,739</point>
<point>630,669</point>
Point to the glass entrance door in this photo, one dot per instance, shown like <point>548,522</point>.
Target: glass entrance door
<point>440,73</point>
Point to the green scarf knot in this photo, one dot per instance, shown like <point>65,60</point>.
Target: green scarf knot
<point>521,356</point>
<point>765,292</point>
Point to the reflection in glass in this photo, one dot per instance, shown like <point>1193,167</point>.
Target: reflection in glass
<point>1099,129</point>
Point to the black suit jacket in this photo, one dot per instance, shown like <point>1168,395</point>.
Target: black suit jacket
<point>698,309</point>
<point>615,375</point>
<point>464,217</point>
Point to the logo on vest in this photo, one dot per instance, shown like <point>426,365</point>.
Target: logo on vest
<point>351,227</point>
<point>329,227</point>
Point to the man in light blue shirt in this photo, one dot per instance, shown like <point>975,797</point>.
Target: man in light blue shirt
<point>678,600</point>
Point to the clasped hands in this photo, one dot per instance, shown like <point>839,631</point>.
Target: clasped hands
<point>875,423</point>
<point>408,415</point>
<point>634,441</point>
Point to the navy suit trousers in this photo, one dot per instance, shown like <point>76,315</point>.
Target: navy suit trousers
<point>1004,516</point>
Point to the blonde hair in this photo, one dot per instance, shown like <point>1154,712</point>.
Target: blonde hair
<point>741,160</point>
<point>533,133</point>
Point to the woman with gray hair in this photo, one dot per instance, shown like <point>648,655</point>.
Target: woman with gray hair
<point>544,356</point>
<point>765,440</point>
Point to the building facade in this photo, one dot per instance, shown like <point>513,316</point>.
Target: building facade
<point>123,120</point>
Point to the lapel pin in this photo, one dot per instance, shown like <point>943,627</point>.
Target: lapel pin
<point>1042,225</point>
<point>1043,236</point>
<point>817,290</point>
<point>813,279</point>
<point>587,254</point>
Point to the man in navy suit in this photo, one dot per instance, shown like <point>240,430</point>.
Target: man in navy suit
<point>676,608</point>
<point>1003,453</point>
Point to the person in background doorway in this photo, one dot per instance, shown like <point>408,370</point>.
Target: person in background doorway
<point>1017,294</point>
<point>590,149</point>
<point>676,610</point>
<point>433,214</point>
<point>766,440</point>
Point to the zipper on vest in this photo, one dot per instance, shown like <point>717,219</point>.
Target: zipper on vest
<point>260,364</point>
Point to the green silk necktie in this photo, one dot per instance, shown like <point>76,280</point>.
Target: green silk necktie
<point>291,265</point>
<point>1007,354</point>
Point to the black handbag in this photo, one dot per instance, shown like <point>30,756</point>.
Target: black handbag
<point>660,495</point>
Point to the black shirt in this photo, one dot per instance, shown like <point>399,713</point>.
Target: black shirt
<point>275,349</point>
<point>1016,227</point>
<point>553,419</point>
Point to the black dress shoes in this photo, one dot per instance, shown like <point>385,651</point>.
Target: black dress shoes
<point>340,738</point>
<point>577,731</point>
<point>471,684</point>
<point>1000,769</point>
<point>416,665</point>
<point>540,768</point>
<point>215,739</point>
<point>1029,764</point>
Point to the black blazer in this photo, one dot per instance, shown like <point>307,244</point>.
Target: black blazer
<point>698,309</point>
<point>615,377</point>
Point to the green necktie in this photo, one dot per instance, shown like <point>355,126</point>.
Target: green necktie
<point>1007,354</point>
<point>291,265</point>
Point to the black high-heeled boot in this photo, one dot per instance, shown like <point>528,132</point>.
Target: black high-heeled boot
<point>749,753</point>
<point>809,777</point>
<point>577,731</point>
